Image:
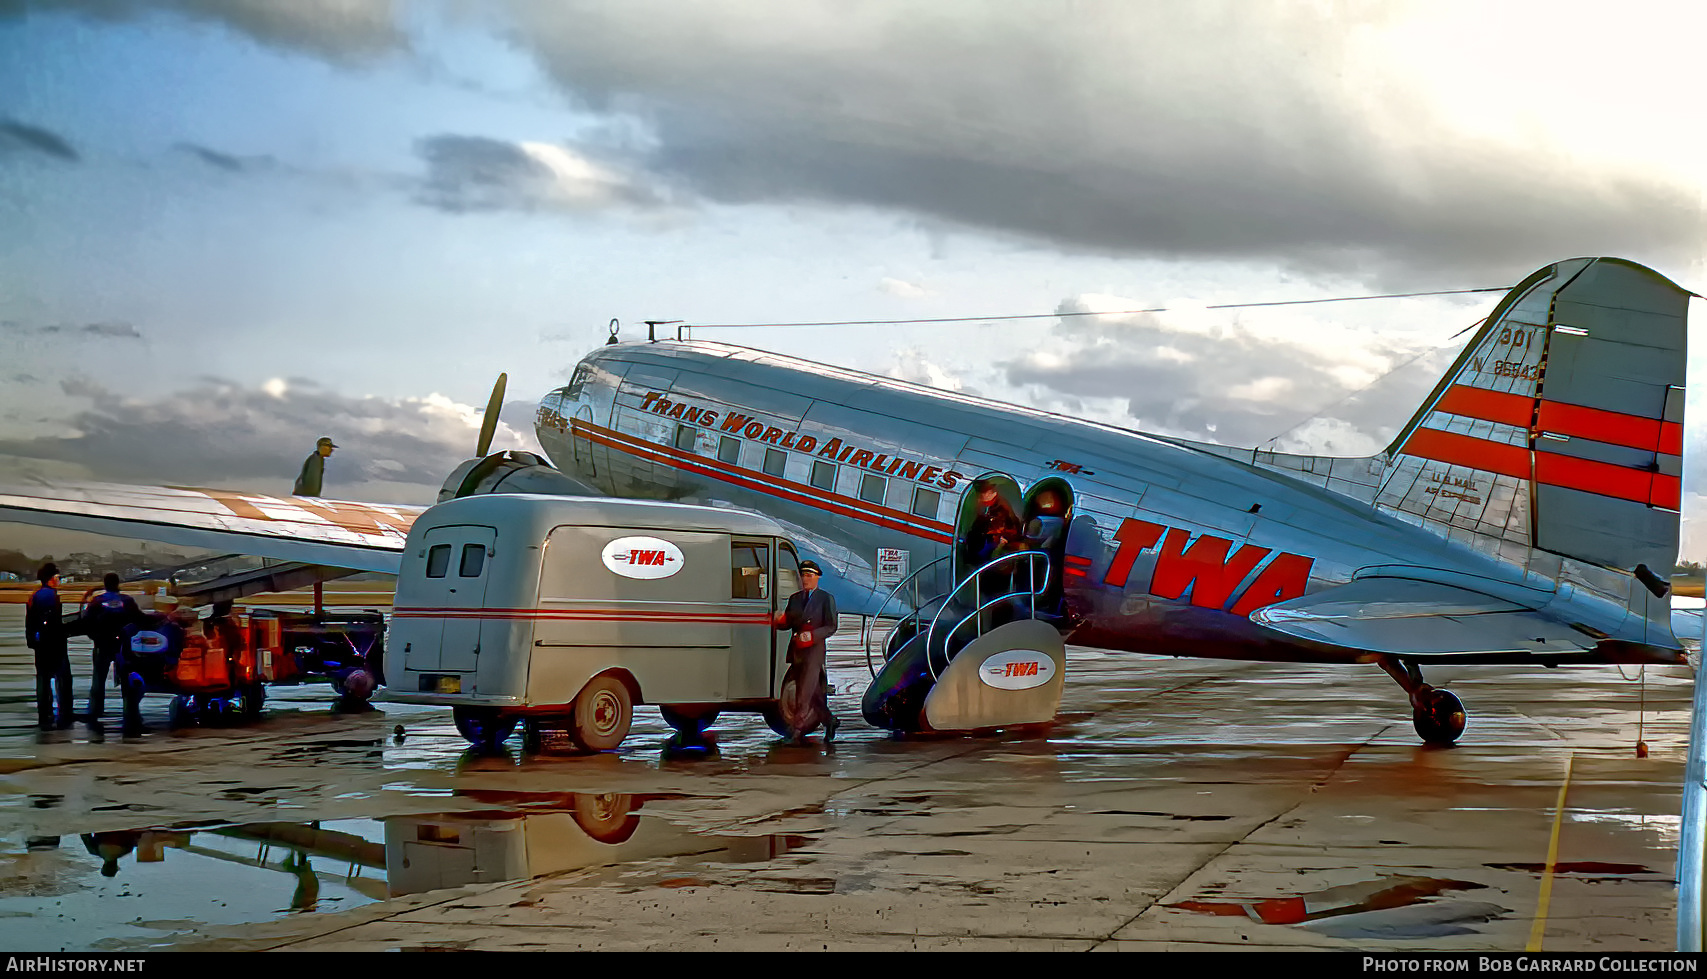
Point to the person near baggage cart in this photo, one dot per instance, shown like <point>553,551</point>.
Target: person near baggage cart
<point>314,468</point>
<point>811,614</point>
<point>104,619</point>
<point>44,632</point>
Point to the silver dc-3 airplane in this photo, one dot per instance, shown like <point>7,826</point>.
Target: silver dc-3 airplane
<point>1528,513</point>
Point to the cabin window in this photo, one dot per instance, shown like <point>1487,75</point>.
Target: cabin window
<point>438,560</point>
<point>925,501</point>
<point>776,461</point>
<point>824,475</point>
<point>787,570</point>
<point>686,437</point>
<point>729,450</point>
<point>871,488</point>
<point>579,380</point>
<point>473,559</point>
<point>749,570</point>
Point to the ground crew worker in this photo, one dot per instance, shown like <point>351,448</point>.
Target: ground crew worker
<point>811,613</point>
<point>313,468</point>
<point>104,619</point>
<point>44,632</point>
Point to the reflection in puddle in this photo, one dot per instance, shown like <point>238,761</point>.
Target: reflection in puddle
<point>140,886</point>
<point>1392,907</point>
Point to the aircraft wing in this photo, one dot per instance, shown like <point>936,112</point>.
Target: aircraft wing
<point>358,536</point>
<point>1402,617</point>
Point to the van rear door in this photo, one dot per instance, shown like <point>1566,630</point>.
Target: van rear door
<point>458,559</point>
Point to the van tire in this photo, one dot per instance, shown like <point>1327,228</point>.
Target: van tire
<point>603,711</point>
<point>482,726</point>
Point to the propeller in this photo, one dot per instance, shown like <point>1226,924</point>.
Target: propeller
<point>489,421</point>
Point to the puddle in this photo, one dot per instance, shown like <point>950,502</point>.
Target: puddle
<point>140,887</point>
<point>1391,907</point>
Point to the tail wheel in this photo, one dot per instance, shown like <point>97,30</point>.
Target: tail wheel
<point>482,726</point>
<point>603,711</point>
<point>691,721</point>
<point>1441,719</point>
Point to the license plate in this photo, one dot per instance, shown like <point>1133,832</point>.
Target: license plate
<point>449,684</point>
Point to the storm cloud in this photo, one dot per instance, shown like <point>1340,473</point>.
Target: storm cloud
<point>18,138</point>
<point>474,173</point>
<point>338,30</point>
<point>220,433</point>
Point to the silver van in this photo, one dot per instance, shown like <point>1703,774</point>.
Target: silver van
<point>562,613</point>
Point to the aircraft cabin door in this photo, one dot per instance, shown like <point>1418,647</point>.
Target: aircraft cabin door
<point>458,559</point>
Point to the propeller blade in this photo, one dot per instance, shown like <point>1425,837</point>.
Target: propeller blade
<point>489,421</point>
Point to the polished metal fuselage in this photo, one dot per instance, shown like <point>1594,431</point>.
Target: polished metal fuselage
<point>651,420</point>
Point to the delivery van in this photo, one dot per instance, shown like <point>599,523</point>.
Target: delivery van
<point>563,613</point>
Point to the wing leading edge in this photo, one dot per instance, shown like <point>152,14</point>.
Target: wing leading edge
<point>358,536</point>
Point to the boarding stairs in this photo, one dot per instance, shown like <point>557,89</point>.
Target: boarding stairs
<point>982,655</point>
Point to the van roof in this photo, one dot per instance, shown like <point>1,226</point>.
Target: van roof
<point>594,511</point>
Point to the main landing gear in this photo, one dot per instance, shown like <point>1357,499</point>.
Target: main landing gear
<point>1438,715</point>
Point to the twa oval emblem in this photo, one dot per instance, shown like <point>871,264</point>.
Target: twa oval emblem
<point>642,557</point>
<point>1017,669</point>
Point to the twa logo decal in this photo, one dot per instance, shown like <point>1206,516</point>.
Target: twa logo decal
<point>642,557</point>
<point>1206,568</point>
<point>1017,669</point>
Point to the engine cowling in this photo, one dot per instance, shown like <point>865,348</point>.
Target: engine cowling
<point>511,471</point>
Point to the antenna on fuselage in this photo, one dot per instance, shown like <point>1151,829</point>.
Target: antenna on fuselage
<point>652,329</point>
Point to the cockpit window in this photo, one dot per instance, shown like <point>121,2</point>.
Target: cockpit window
<point>582,373</point>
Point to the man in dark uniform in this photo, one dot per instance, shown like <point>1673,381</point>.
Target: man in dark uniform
<point>811,613</point>
<point>313,468</point>
<point>104,619</point>
<point>44,632</point>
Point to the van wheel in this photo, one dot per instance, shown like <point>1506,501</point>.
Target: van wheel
<point>482,726</point>
<point>603,711</point>
<point>607,817</point>
<point>690,722</point>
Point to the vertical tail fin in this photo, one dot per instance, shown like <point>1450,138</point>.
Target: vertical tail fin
<point>1560,427</point>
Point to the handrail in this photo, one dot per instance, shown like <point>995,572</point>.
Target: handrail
<point>893,594</point>
<point>979,605</point>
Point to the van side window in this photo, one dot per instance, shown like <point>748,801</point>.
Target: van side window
<point>438,560</point>
<point>473,559</point>
<point>787,571</point>
<point>728,450</point>
<point>749,570</point>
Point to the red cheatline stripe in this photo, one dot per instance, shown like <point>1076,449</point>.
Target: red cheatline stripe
<point>1493,406</point>
<point>1551,469</point>
<point>1577,421</point>
<point>1074,573</point>
<point>622,615</point>
<point>1465,450</point>
<point>794,492</point>
<point>1076,559</point>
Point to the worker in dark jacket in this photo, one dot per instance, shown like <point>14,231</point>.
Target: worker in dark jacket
<point>313,468</point>
<point>811,613</point>
<point>104,619</point>
<point>44,632</point>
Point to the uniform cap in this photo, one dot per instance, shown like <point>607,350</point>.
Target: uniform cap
<point>810,567</point>
<point>325,441</point>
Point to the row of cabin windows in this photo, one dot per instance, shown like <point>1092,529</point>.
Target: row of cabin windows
<point>473,560</point>
<point>872,488</point>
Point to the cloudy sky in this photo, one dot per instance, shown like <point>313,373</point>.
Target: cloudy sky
<point>230,226</point>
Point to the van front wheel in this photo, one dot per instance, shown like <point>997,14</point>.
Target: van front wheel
<point>603,711</point>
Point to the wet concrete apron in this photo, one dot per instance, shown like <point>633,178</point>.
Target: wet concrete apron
<point>1176,804</point>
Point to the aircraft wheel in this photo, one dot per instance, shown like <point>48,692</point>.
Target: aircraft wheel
<point>608,817</point>
<point>775,717</point>
<point>482,726</point>
<point>603,712</point>
<point>690,721</point>
<point>1441,720</point>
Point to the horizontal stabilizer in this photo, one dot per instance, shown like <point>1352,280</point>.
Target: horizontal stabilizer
<point>1401,617</point>
<point>358,536</point>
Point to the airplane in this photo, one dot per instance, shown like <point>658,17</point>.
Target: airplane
<point>1527,513</point>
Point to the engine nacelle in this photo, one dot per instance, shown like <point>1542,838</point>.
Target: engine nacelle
<point>511,472</point>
